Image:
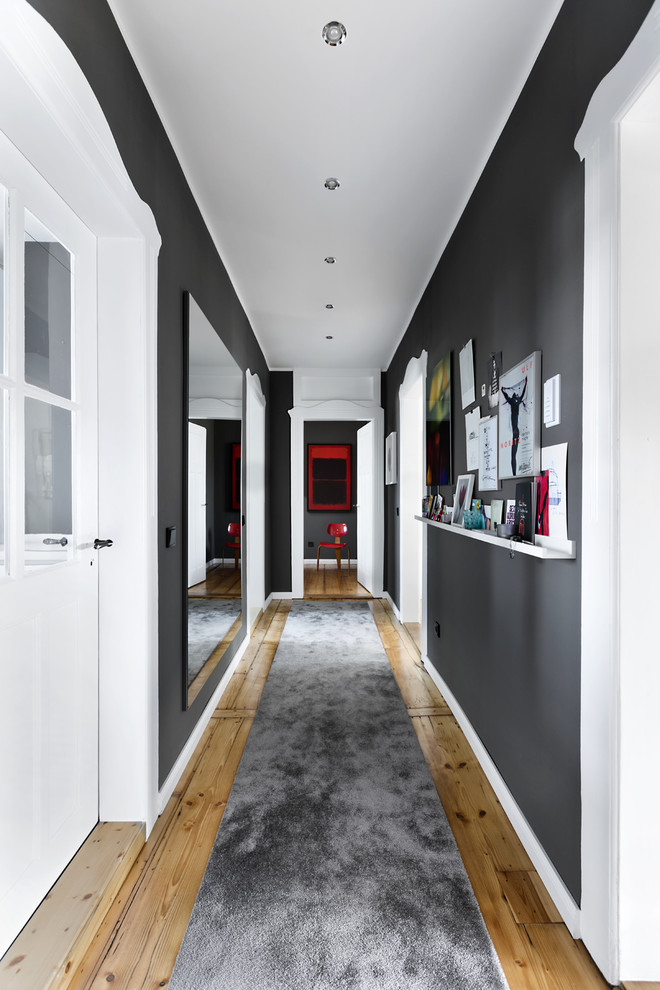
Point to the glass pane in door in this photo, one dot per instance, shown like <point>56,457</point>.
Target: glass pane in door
<point>3,475</point>
<point>47,310</point>
<point>3,224</point>
<point>48,484</point>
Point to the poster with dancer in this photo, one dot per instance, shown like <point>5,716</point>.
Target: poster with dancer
<point>520,421</point>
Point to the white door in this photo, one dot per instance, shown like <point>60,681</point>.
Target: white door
<point>366,499</point>
<point>196,504</point>
<point>48,520</point>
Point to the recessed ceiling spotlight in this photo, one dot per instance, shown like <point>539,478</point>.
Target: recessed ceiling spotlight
<point>331,183</point>
<point>334,33</point>
<point>330,260</point>
<point>328,336</point>
<point>329,306</point>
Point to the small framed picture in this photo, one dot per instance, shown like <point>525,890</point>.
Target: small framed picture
<point>390,460</point>
<point>462,498</point>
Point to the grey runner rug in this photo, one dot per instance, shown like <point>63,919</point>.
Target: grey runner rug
<point>334,865</point>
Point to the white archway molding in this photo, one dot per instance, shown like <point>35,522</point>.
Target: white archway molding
<point>412,535</point>
<point>54,119</point>
<point>255,496</point>
<point>211,408</point>
<point>338,409</point>
<point>611,667</point>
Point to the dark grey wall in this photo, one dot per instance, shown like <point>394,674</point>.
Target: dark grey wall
<point>512,279</point>
<point>188,260</point>
<point>316,523</point>
<point>279,476</point>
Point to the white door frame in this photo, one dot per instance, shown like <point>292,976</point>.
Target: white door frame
<point>607,661</point>
<point>56,122</point>
<point>412,534</point>
<point>338,409</point>
<point>255,497</point>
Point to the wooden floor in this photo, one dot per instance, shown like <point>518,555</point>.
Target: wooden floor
<point>137,944</point>
<point>329,582</point>
<point>221,582</point>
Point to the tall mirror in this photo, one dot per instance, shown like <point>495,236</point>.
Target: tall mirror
<point>214,533</point>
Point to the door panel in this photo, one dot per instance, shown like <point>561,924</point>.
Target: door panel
<point>49,591</point>
<point>196,504</point>
<point>365,507</point>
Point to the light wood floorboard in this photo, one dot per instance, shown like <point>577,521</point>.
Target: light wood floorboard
<point>138,941</point>
<point>221,582</point>
<point>329,582</point>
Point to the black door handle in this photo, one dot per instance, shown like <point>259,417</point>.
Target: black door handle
<point>99,544</point>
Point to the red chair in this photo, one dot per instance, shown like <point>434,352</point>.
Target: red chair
<point>234,529</point>
<point>337,530</point>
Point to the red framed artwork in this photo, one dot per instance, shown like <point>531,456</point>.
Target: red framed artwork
<point>329,477</point>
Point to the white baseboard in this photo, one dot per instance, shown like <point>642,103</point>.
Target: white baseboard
<point>173,777</point>
<point>332,560</point>
<point>556,887</point>
<point>394,607</point>
<point>275,595</point>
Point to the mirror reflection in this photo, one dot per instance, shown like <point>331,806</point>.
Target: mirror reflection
<point>214,500</point>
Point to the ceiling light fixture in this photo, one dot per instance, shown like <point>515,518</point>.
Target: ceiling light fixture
<point>331,184</point>
<point>330,260</point>
<point>328,336</point>
<point>334,33</point>
<point>329,306</point>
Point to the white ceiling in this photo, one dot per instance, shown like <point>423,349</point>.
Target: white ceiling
<point>405,114</point>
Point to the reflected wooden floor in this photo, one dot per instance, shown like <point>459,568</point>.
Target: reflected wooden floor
<point>221,582</point>
<point>329,582</point>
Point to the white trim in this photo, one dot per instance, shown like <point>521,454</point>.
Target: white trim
<point>598,142</point>
<point>254,461</point>
<point>388,598</point>
<point>55,120</point>
<point>284,596</point>
<point>555,886</point>
<point>340,409</point>
<point>175,774</point>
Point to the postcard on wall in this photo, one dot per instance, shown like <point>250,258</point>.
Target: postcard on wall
<point>553,460</point>
<point>493,369</point>
<point>472,438</point>
<point>488,454</point>
<point>462,498</point>
<point>520,419</point>
<point>466,367</point>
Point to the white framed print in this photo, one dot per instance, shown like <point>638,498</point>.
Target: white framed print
<point>390,460</point>
<point>462,498</point>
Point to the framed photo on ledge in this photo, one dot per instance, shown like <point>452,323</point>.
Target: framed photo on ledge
<point>329,477</point>
<point>462,498</point>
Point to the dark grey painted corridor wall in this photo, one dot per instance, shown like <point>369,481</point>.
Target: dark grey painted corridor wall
<point>511,279</point>
<point>188,260</point>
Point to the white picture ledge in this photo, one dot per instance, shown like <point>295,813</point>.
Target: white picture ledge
<point>545,548</point>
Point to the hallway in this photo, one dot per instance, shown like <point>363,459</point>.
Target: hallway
<point>137,943</point>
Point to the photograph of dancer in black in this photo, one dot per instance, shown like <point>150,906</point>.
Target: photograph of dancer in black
<point>515,401</point>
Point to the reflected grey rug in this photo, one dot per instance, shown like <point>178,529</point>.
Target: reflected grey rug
<point>334,866</point>
<point>209,621</point>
